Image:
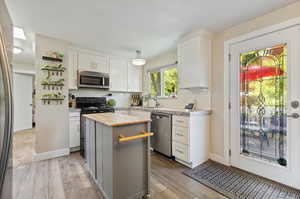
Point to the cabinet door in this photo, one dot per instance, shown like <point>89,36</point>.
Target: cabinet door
<point>72,68</point>
<point>87,143</point>
<point>194,59</point>
<point>99,155</point>
<point>135,74</point>
<point>93,148</point>
<point>93,62</point>
<point>74,132</point>
<point>118,74</point>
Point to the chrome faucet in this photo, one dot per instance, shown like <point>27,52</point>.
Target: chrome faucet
<point>156,101</point>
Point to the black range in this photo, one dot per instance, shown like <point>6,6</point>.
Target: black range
<point>89,105</point>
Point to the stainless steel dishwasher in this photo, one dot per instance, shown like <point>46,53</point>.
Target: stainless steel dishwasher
<point>161,126</point>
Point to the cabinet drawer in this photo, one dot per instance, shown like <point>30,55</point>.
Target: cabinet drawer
<point>180,134</point>
<point>181,121</point>
<point>180,151</point>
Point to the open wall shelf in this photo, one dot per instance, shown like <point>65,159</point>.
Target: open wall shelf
<point>54,100</point>
<point>53,83</point>
<point>46,58</point>
<point>54,70</point>
<point>53,86</point>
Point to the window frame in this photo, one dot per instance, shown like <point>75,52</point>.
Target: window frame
<point>161,70</point>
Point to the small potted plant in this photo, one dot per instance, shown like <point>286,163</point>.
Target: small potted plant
<point>111,103</point>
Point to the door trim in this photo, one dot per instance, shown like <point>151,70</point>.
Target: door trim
<point>227,65</point>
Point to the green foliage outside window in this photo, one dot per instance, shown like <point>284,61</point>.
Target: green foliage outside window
<point>164,82</point>
<point>155,80</point>
<point>170,82</point>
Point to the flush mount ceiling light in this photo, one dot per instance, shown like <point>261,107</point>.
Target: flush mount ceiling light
<point>17,50</point>
<point>19,33</point>
<point>138,60</point>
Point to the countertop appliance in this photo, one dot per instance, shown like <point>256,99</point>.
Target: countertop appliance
<point>6,103</point>
<point>161,126</point>
<point>90,105</point>
<point>91,79</point>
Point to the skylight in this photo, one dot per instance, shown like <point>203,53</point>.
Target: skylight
<point>19,33</point>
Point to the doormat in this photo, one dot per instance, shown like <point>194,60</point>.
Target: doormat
<point>234,183</point>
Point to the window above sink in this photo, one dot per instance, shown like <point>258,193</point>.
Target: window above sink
<point>164,81</point>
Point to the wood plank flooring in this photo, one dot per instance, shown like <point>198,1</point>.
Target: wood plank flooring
<point>23,147</point>
<point>66,178</point>
<point>59,178</point>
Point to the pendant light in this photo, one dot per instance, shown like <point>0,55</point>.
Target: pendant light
<point>138,60</point>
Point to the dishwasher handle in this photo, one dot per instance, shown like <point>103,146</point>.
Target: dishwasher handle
<point>160,115</point>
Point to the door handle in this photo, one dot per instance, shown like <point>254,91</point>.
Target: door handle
<point>293,115</point>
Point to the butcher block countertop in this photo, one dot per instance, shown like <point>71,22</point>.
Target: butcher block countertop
<point>116,119</point>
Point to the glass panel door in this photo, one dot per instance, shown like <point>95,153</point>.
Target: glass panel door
<point>263,104</point>
<point>265,111</point>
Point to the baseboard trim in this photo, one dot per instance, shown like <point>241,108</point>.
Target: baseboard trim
<point>219,159</point>
<point>51,154</point>
<point>74,149</point>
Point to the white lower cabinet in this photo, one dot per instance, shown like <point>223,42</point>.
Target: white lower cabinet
<point>74,131</point>
<point>190,138</point>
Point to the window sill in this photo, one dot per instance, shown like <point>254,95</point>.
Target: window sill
<point>166,97</point>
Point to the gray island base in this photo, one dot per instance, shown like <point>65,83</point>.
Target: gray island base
<point>118,154</point>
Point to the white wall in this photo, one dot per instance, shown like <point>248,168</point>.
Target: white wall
<point>184,95</point>
<point>23,67</point>
<point>217,126</point>
<point>52,126</point>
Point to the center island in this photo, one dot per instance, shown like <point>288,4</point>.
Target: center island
<point>117,151</point>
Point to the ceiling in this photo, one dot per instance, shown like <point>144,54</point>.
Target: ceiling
<point>121,26</point>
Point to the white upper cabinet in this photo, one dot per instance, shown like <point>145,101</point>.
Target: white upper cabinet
<point>194,61</point>
<point>118,74</point>
<point>72,68</point>
<point>135,78</point>
<point>90,61</point>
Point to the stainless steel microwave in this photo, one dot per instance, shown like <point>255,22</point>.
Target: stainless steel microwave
<point>91,79</point>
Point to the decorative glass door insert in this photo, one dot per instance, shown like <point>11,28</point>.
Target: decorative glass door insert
<point>263,104</point>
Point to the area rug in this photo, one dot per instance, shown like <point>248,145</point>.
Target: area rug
<point>234,183</point>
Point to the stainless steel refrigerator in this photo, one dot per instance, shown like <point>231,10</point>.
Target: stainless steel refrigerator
<point>6,104</point>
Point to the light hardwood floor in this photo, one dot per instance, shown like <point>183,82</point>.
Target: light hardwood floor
<point>23,147</point>
<point>67,178</point>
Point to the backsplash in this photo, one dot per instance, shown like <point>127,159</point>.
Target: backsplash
<point>186,96</point>
<point>122,99</point>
